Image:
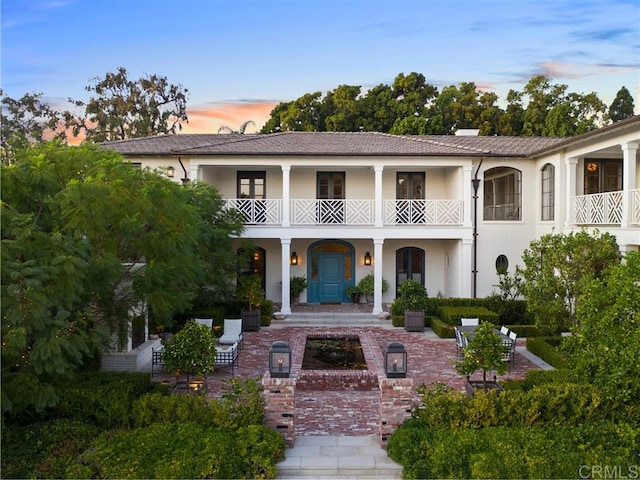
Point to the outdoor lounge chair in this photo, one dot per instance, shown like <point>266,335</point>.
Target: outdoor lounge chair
<point>469,322</point>
<point>205,321</point>
<point>226,357</point>
<point>232,332</point>
<point>157,359</point>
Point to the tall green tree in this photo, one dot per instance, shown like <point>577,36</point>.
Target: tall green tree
<point>605,345</point>
<point>88,242</point>
<point>121,108</point>
<point>376,109</point>
<point>556,268</point>
<point>622,106</point>
<point>27,120</point>
<point>340,107</point>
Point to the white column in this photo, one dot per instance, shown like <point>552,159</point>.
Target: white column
<point>629,152</point>
<point>377,275</point>
<point>467,196</point>
<point>570,190</point>
<point>466,268</point>
<point>194,171</point>
<point>378,204</point>
<point>286,195</point>
<point>286,276</point>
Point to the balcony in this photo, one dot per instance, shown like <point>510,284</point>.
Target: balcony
<point>604,208</point>
<point>349,212</point>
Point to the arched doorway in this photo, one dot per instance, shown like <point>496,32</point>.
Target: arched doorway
<point>330,271</point>
<point>409,265</point>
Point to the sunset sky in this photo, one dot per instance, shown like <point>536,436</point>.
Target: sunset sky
<point>239,58</point>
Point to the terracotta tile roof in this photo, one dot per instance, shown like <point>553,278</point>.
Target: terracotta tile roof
<point>332,144</point>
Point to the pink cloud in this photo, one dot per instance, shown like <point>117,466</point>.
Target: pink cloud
<point>209,118</point>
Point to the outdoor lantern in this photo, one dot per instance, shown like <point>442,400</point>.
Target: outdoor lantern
<point>171,171</point>
<point>367,258</point>
<point>294,258</point>
<point>395,360</point>
<point>280,360</point>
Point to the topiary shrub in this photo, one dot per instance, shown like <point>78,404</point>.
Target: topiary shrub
<point>365,286</point>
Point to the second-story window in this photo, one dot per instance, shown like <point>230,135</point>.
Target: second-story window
<point>601,176</point>
<point>410,197</point>
<point>548,192</point>
<point>330,195</point>
<point>252,191</point>
<point>502,194</point>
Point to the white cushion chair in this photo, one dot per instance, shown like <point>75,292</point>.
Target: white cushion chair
<point>232,332</point>
<point>205,321</point>
<point>469,322</point>
<point>226,357</point>
<point>504,330</point>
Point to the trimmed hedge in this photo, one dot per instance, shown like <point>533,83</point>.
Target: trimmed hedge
<point>547,349</point>
<point>443,330</point>
<point>451,315</point>
<point>506,452</point>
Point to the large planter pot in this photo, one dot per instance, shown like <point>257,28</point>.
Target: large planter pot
<point>250,320</point>
<point>472,386</point>
<point>414,320</point>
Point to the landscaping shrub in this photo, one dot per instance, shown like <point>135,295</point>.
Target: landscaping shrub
<point>443,330</point>
<point>100,398</point>
<point>452,315</point>
<point>43,450</point>
<point>548,349</point>
<point>510,452</point>
<point>241,405</point>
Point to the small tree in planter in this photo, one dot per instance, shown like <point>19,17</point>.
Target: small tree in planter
<point>354,293</point>
<point>411,301</point>
<point>192,351</point>
<point>250,291</point>
<point>296,287</point>
<point>485,351</point>
<point>365,285</point>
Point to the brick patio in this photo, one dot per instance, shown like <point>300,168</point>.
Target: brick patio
<point>430,359</point>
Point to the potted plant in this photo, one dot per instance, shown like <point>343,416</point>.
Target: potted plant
<point>296,287</point>
<point>485,351</point>
<point>365,285</point>
<point>411,298</point>
<point>192,351</point>
<point>250,291</point>
<point>354,293</point>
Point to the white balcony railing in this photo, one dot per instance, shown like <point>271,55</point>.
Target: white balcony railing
<point>422,212</point>
<point>349,212</point>
<point>635,206</point>
<point>598,209</point>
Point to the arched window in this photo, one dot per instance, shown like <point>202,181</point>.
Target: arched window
<point>256,264</point>
<point>409,265</point>
<point>502,264</point>
<point>547,200</point>
<point>502,194</point>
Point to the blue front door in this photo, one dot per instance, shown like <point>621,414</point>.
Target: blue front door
<point>331,287</point>
<point>330,271</point>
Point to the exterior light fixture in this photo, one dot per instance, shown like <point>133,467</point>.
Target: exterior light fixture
<point>171,171</point>
<point>294,258</point>
<point>367,258</point>
<point>395,360</point>
<point>280,360</point>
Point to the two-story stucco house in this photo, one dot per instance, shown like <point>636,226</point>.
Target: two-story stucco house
<point>444,210</point>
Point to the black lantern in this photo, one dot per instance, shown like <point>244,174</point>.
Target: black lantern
<point>395,360</point>
<point>294,258</point>
<point>280,360</point>
<point>367,258</point>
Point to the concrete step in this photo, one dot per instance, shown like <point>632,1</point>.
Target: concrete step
<point>331,318</point>
<point>338,457</point>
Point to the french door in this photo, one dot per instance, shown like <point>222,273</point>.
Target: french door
<point>330,194</point>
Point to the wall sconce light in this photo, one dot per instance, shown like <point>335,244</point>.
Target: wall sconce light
<point>294,258</point>
<point>367,258</point>
<point>395,360</point>
<point>171,171</point>
<point>280,360</point>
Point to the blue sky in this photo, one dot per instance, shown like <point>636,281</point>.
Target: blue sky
<point>238,58</point>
